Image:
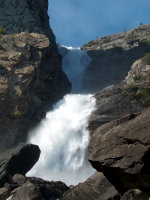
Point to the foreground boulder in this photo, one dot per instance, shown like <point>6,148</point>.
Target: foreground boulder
<point>95,187</point>
<point>17,160</point>
<point>36,188</point>
<point>121,150</point>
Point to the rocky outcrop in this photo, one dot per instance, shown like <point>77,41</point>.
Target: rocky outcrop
<point>31,80</point>
<point>18,160</point>
<point>119,143</point>
<point>131,96</point>
<point>135,194</point>
<point>112,57</point>
<point>26,16</point>
<point>121,150</point>
<point>35,188</point>
<point>94,188</point>
<point>112,103</point>
<point>14,164</point>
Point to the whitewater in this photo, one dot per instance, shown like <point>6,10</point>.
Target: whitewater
<point>63,135</point>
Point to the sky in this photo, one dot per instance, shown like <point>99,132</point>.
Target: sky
<point>76,22</point>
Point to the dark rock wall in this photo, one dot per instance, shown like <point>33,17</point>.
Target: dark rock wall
<point>112,57</point>
<point>26,16</point>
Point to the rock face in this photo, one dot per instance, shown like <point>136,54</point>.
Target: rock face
<point>119,143</point>
<point>31,80</point>
<point>112,57</point>
<point>26,16</point>
<point>97,187</point>
<point>112,103</point>
<point>18,160</point>
<point>121,150</point>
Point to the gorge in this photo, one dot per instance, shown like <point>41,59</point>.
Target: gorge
<point>85,111</point>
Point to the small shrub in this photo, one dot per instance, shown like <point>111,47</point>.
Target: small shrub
<point>139,78</point>
<point>2,97</point>
<point>107,94</point>
<point>146,59</point>
<point>132,36</point>
<point>2,31</point>
<point>16,114</point>
<point>146,42</point>
<point>131,88</point>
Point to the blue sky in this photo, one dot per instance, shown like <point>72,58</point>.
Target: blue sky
<point>76,22</point>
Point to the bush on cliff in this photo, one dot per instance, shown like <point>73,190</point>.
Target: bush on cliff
<point>2,31</point>
<point>146,59</point>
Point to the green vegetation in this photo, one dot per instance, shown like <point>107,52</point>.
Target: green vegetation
<point>107,94</point>
<point>2,31</point>
<point>16,114</point>
<point>146,59</point>
<point>132,36</point>
<point>131,88</point>
<point>141,93</point>
<point>139,78</point>
<point>2,97</point>
<point>146,42</point>
<point>106,39</point>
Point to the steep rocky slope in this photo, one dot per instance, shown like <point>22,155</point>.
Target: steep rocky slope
<point>31,76</point>
<point>119,132</point>
<point>112,57</point>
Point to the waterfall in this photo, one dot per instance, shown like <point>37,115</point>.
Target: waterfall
<point>63,136</point>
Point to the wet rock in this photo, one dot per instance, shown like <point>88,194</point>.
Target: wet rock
<point>94,188</point>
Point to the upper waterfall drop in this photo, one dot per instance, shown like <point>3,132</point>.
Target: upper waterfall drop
<point>74,63</point>
<point>63,136</point>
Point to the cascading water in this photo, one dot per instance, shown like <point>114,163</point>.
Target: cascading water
<point>63,136</point>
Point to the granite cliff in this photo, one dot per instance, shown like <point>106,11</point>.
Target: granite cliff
<point>31,76</point>
<point>113,55</point>
<point>31,80</point>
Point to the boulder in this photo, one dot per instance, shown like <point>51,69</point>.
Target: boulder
<point>18,179</point>
<point>3,193</point>
<point>121,150</point>
<point>18,160</point>
<point>35,188</point>
<point>94,188</point>
<point>135,194</point>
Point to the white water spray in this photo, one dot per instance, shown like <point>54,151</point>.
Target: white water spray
<point>63,136</point>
